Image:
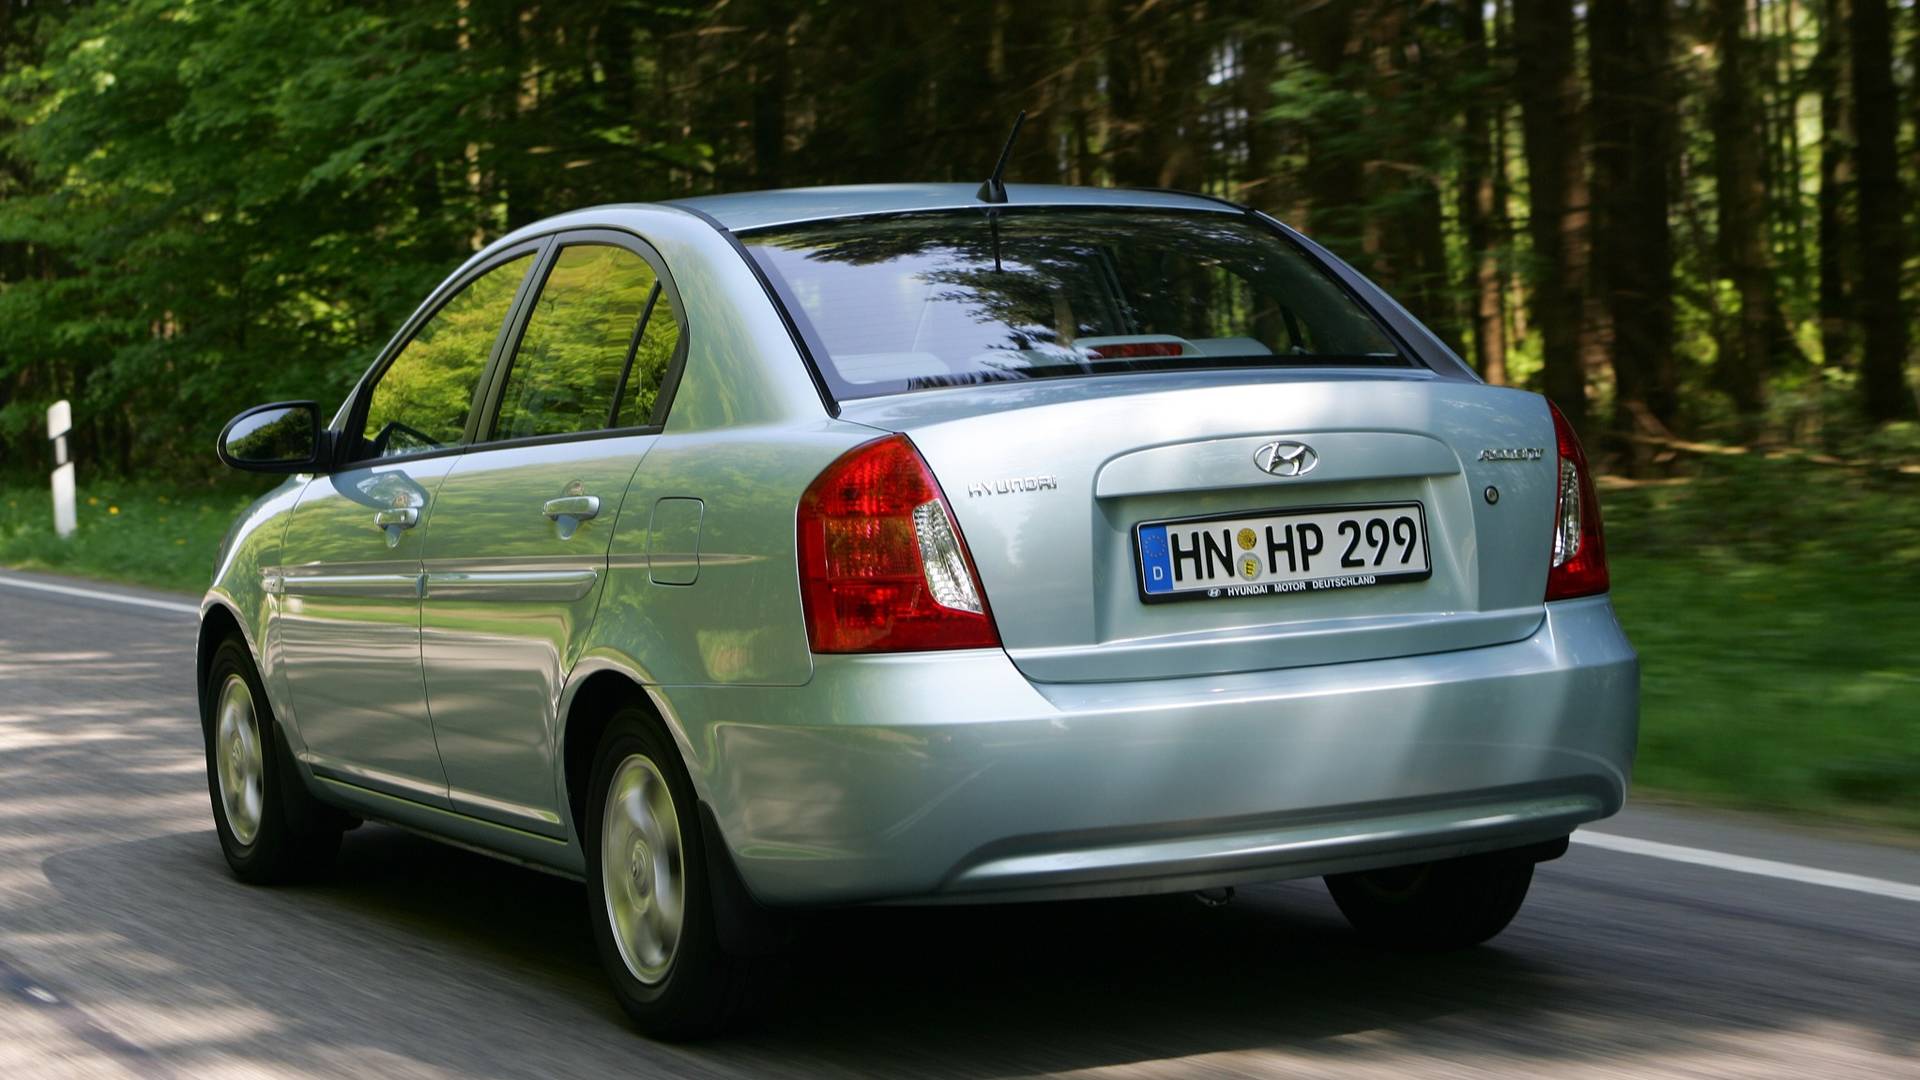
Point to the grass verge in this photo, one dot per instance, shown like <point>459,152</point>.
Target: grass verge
<point>142,535</point>
<point>1777,614</point>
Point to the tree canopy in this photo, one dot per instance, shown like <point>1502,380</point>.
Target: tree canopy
<point>1680,218</point>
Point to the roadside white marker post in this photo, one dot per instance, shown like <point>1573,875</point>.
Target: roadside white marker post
<point>59,423</point>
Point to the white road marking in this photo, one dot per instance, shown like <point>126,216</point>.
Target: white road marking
<point>1742,864</point>
<point>100,594</point>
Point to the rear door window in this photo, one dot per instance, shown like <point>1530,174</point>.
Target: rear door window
<point>647,373</point>
<point>954,298</point>
<point>597,346</point>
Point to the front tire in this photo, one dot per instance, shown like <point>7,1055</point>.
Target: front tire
<point>272,830</point>
<point>1436,906</point>
<point>648,896</point>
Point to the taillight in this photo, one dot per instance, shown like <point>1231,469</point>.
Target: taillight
<point>883,567</point>
<point>1579,550</point>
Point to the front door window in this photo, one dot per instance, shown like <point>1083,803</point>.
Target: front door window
<point>422,400</point>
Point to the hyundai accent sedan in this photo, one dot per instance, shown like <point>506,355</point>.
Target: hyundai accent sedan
<point>881,545</point>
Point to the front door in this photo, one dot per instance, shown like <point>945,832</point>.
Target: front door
<point>517,552</point>
<point>349,624</point>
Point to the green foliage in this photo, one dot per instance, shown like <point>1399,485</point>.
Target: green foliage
<point>1372,118</point>
<point>213,259</point>
<point>578,337</point>
<point>238,202</point>
<point>424,397</point>
<point>650,359</point>
<point>205,205</point>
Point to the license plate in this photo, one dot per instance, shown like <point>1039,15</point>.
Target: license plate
<point>1281,551</point>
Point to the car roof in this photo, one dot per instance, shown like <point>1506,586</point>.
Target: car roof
<point>757,209</point>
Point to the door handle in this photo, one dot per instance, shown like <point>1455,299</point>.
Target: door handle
<point>399,517</point>
<point>577,507</point>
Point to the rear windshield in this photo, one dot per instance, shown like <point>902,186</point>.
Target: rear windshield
<point>957,298</point>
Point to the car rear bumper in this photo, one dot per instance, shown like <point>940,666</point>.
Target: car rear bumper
<point>951,778</point>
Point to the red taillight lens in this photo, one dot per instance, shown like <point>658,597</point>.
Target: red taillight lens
<point>883,567</point>
<point>1579,549</point>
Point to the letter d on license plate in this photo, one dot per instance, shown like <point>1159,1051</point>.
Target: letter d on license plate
<point>1281,551</point>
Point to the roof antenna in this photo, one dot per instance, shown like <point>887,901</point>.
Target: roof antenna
<point>993,190</point>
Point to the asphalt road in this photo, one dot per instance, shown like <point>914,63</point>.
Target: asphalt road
<point>126,949</point>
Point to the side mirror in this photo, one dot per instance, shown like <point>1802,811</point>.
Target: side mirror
<point>285,437</point>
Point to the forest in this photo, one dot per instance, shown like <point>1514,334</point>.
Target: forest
<point>1687,221</point>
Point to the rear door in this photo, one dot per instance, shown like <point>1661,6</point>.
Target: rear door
<point>349,629</point>
<point>516,556</point>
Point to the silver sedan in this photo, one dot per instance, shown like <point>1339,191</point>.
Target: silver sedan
<point>894,545</point>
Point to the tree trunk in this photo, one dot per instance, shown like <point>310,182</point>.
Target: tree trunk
<point>1032,79</point>
<point>1396,217</point>
<point>472,153</point>
<point>1546,77</point>
<point>1180,142</point>
<point>1407,63</point>
<point>1633,147</point>
<point>1883,364</point>
<point>1256,186</point>
<point>887,115</point>
<point>1649,306</point>
<point>1789,192</point>
<point>1128,102</point>
<point>1333,174</point>
<point>1740,185</point>
<point>1610,34</point>
<point>518,190</point>
<point>1089,116</point>
<point>1513,296</point>
<point>1477,202</point>
<point>772,83</point>
<point>1155,60</point>
<point>1832,75</point>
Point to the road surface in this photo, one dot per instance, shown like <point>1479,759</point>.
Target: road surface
<point>1690,945</point>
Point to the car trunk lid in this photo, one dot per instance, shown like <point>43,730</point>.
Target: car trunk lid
<point>1049,480</point>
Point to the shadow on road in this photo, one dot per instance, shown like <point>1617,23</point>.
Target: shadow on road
<point>419,953</point>
<point>408,924</point>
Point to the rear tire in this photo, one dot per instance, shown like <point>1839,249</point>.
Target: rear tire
<point>272,830</point>
<point>648,895</point>
<point>1436,906</point>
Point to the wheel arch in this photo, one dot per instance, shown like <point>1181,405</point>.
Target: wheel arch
<point>596,694</point>
<point>598,691</point>
<point>217,624</point>
<point>219,620</point>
